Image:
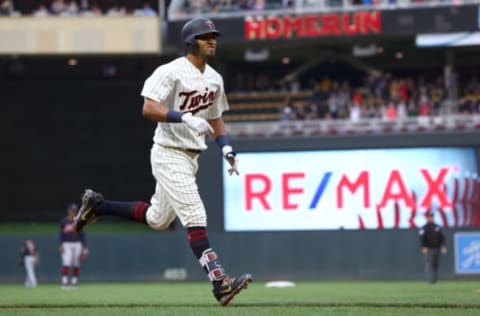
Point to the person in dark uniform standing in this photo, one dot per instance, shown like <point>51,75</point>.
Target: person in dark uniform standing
<point>432,242</point>
<point>72,248</point>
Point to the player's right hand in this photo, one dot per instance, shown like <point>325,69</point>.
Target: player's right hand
<point>198,124</point>
<point>60,248</point>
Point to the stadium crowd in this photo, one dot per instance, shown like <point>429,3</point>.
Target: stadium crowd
<point>78,7</point>
<point>182,8</point>
<point>380,96</point>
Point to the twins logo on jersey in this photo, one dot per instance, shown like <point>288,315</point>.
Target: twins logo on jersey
<point>68,228</point>
<point>194,101</point>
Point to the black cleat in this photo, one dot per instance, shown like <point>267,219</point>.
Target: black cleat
<point>87,213</point>
<point>230,287</point>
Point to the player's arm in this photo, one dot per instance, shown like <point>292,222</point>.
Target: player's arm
<point>218,127</point>
<point>158,112</point>
<point>219,134</point>
<point>154,110</point>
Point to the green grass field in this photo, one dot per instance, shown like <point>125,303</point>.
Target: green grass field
<point>108,226</point>
<point>307,298</point>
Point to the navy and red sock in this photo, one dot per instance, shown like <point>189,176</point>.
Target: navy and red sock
<point>136,211</point>
<point>197,237</point>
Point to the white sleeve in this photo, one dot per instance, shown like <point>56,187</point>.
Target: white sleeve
<point>159,85</point>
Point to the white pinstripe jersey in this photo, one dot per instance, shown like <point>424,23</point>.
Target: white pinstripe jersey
<point>182,87</point>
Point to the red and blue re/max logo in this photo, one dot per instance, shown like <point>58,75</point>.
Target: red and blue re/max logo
<point>258,190</point>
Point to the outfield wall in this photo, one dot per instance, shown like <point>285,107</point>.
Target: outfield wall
<point>379,255</point>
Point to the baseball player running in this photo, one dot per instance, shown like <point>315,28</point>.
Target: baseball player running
<point>72,248</point>
<point>186,97</point>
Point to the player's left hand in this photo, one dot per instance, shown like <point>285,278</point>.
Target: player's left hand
<point>232,159</point>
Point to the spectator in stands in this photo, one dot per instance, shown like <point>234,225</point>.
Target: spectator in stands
<point>401,110</point>
<point>71,8</point>
<point>299,112</point>
<point>194,7</point>
<point>6,8</point>
<point>424,111</point>
<point>287,109</point>
<point>437,93</point>
<point>116,10</point>
<point>390,112</point>
<point>370,111</point>
<point>146,10</point>
<point>469,104</point>
<point>258,5</point>
<point>95,11</point>
<point>216,5</point>
<point>84,6</point>
<point>41,11</point>
<point>412,108</point>
<point>244,4</point>
<point>57,7</point>
<point>402,92</point>
<point>334,105</point>
<point>288,4</point>
<point>355,112</point>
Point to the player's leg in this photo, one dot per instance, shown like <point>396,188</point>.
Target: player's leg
<point>429,268</point>
<point>30,280</point>
<point>94,205</point>
<point>435,263</point>
<point>160,214</point>
<point>76,250</point>
<point>67,256</point>
<point>175,174</point>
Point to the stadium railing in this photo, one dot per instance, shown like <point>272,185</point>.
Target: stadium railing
<point>268,129</point>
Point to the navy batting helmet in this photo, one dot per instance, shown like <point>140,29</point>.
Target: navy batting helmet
<point>196,27</point>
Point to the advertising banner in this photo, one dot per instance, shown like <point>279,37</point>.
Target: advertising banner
<point>467,253</point>
<point>281,26</point>
<point>352,189</point>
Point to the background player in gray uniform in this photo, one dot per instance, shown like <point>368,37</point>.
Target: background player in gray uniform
<point>30,258</point>
<point>72,248</point>
<point>187,98</point>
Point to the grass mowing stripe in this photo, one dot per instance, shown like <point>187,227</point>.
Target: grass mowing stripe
<point>241,305</point>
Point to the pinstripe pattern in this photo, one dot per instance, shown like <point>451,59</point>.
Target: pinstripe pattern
<point>182,87</point>
<point>176,192</point>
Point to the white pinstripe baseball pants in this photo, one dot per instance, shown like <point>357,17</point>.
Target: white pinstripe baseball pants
<point>176,192</point>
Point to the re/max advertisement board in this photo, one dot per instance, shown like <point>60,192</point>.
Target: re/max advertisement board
<point>352,189</point>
